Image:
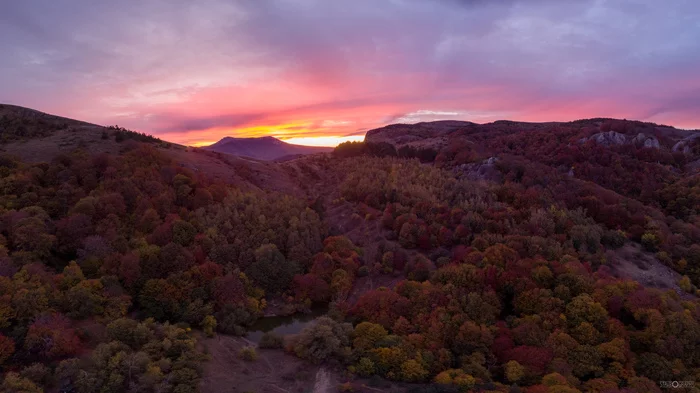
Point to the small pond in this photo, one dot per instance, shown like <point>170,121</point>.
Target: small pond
<point>291,324</point>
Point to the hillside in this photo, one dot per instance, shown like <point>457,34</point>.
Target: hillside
<point>35,136</point>
<point>264,148</point>
<point>605,132</point>
<point>638,177</point>
<point>449,256</point>
<point>607,152</point>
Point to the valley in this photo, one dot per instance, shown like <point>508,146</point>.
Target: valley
<point>445,257</point>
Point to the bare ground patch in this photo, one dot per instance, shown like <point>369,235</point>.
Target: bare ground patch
<point>276,372</point>
<point>633,263</point>
<point>273,372</point>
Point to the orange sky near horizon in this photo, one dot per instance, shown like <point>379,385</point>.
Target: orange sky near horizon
<point>299,109</point>
<point>323,141</point>
<point>330,133</point>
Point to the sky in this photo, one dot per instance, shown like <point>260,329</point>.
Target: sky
<point>324,71</point>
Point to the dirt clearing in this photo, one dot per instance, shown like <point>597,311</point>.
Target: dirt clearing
<point>273,372</point>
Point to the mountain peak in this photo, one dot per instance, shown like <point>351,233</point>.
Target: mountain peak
<point>262,148</point>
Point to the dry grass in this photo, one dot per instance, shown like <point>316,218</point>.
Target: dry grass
<point>63,141</point>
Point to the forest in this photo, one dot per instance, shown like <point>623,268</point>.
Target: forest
<point>114,266</point>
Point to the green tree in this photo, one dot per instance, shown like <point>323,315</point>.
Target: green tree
<point>586,361</point>
<point>514,371</point>
<point>86,299</point>
<point>413,371</point>
<point>583,308</point>
<point>72,275</point>
<point>365,367</point>
<point>367,334</point>
<point>209,325</point>
<point>685,284</point>
<point>14,383</point>
<point>650,241</point>
<point>37,373</point>
<point>324,339</point>
<point>183,232</point>
<point>270,269</point>
<point>341,283</point>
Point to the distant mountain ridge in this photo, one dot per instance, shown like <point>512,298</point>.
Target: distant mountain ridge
<point>265,148</point>
<point>603,131</point>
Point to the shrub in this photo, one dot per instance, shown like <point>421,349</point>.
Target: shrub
<point>376,381</point>
<point>614,239</point>
<point>248,353</point>
<point>365,367</point>
<point>650,241</point>
<point>685,284</point>
<point>363,271</point>
<point>271,340</point>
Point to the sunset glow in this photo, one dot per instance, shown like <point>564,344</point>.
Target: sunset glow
<point>312,72</point>
<point>324,140</point>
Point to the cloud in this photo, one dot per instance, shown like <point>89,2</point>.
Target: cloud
<point>182,68</point>
<point>204,123</point>
<point>430,115</point>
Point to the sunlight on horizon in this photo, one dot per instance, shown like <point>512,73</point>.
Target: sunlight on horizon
<point>326,141</point>
<point>321,141</point>
<point>202,143</point>
<point>298,132</point>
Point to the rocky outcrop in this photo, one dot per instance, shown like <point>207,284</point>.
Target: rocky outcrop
<point>684,145</point>
<point>612,138</point>
<point>609,138</point>
<point>645,141</point>
<point>652,143</point>
<point>484,170</point>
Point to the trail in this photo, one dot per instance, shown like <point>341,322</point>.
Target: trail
<point>323,382</point>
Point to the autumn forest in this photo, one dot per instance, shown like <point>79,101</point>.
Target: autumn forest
<point>447,257</point>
